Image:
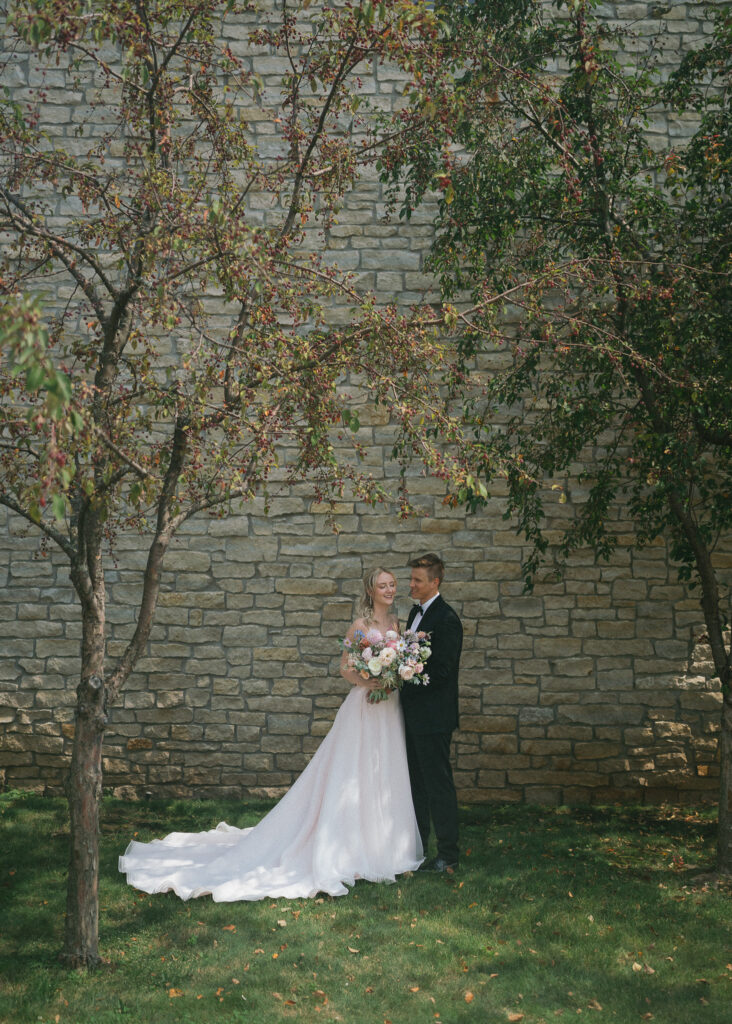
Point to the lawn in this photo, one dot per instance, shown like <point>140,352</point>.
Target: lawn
<point>555,914</point>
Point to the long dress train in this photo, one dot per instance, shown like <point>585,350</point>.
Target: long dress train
<point>349,815</point>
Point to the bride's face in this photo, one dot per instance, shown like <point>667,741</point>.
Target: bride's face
<point>384,589</point>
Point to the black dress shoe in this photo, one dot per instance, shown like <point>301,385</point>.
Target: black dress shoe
<point>440,866</point>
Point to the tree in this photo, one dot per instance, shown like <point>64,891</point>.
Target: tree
<point>617,260</point>
<point>191,344</point>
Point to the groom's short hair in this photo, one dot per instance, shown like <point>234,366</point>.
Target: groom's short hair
<point>432,563</point>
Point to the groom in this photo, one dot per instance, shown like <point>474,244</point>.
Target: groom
<point>431,713</point>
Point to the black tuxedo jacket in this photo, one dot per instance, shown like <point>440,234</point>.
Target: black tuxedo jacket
<point>434,708</point>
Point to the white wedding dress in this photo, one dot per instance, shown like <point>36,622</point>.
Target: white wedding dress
<point>349,815</point>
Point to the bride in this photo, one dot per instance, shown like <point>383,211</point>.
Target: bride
<point>349,815</point>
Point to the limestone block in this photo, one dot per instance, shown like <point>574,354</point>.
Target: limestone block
<point>490,779</point>
<point>536,716</point>
<point>671,730</point>
<point>280,654</point>
<point>219,733</point>
<point>544,747</point>
<point>599,714</point>
<point>169,698</point>
<point>186,733</point>
<point>501,743</point>
<point>211,599</point>
<point>487,723</point>
<point>281,744</point>
<point>287,723</point>
<point>596,750</point>
<point>711,701</point>
<point>139,743</point>
<point>558,648</point>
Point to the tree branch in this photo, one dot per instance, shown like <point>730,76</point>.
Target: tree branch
<point>165,528</point>
<point>53,534</point>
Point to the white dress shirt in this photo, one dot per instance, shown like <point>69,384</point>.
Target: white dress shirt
<point>420,615</point>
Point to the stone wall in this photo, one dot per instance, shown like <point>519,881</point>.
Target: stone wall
<point>595,688</point>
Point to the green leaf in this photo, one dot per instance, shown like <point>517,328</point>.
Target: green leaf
<point>35,377</point>
<point>58,503</point>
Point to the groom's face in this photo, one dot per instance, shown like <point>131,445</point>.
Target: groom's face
<point>422,586</point>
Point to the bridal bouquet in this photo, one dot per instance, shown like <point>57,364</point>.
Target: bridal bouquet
<point>389,658</point>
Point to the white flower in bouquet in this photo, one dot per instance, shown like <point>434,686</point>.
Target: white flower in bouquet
<point>387,656</point>
<point>375,666</point>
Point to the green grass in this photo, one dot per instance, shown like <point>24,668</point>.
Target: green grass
<point>555,915</point>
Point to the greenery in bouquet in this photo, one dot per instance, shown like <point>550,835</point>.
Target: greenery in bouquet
<point>389,659</point>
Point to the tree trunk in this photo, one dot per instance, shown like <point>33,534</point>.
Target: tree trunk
<point>84,792</point>
<point>724,837</point>
<point>722,659</point>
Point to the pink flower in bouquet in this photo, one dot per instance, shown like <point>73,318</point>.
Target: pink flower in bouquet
<point>387,656</point>
<point>367,654</point>
<point>374,637</point>
<point>406,672</point>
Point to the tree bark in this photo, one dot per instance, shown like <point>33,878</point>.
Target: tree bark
<point>84,793</point>
<point>713,619</point>
<point>724,835</point>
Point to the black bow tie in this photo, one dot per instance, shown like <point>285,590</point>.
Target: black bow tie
<point>418,608</point>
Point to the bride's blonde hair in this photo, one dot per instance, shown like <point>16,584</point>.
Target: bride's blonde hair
<point>366,606</point>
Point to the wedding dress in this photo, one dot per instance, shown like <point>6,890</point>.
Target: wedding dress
<point>349,815</point>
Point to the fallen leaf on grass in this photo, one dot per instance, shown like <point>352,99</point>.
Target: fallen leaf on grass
<point>282,923</point>
<point>415,988</point>
<point>514,1018</point>
<point>175,992</point>
<point>259,951</point>
<point>352,950</point>
<point>229,928</point>
<point>469,997</point>
<point>637,967</point>
<point>593,1005</point>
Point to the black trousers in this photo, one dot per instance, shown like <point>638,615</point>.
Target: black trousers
<point>433,791</point>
